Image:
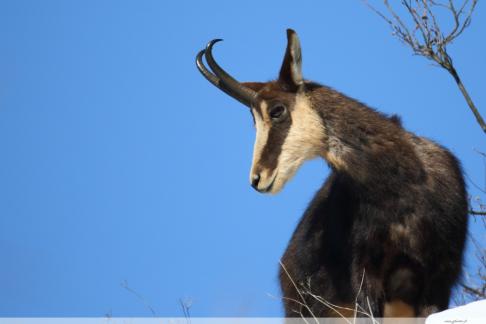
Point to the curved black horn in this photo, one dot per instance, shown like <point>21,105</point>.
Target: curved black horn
<point>210,76</point>
<point>222,79</point>
<point>237,90</point>
<point>205,72</point>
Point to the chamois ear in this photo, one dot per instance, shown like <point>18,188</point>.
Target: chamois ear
<point>255,86</point>
<point>291,70</point>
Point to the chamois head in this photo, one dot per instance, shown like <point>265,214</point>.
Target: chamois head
<point>288,130</point>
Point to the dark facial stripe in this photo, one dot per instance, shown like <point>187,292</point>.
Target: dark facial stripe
<point>273,147</point>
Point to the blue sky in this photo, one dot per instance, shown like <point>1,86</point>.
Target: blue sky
<point>119,162</point>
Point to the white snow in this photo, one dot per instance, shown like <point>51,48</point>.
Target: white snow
<point>472,313</point>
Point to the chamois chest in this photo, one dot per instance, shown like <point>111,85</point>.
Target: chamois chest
<point>319,257</point>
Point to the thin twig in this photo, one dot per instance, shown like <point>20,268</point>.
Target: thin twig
<point>296,288</point>
<point>359,292</point>
<point>186,305</point>
<point>477,212</point>
<point>474,291</point>
<point>432,44</point>
<point>124,284</point>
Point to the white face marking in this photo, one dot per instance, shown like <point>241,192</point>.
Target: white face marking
<point>262,129</point>
<point>304,141</point>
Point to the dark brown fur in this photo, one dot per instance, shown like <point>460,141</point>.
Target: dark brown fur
<point>394,213</point>
<point>387,228</point>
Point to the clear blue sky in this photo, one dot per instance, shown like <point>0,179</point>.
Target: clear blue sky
<point>120,162</point>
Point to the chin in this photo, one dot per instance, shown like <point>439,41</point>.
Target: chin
<point>275,189</point>
<point>281,179</point>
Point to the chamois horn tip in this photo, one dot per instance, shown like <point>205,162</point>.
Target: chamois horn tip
<point>211,43</point>
<point>290,31</point>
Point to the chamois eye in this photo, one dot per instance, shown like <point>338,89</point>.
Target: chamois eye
<point>277,111</point>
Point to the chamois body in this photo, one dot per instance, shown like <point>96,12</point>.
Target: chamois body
<point>387,229</point>
<point>388,224</point>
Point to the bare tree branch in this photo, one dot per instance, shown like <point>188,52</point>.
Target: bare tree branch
<point>477,212</point>
<point>474,291</point>
<point>431,42</point>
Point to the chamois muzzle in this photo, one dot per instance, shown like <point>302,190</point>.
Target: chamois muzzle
<point>221,79</point>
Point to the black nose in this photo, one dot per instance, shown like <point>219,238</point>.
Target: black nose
<point>255,179</point>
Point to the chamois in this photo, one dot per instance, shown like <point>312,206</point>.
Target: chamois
<point>387,228</point>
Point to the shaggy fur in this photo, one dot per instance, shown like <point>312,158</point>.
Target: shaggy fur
<point>393,210</point>
<point>387,228</point>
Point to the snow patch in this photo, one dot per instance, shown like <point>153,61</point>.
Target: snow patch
<point>467,314</point>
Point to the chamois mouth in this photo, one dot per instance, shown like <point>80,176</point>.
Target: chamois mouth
<point>269,188</point>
